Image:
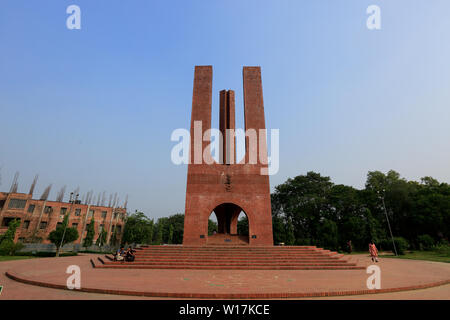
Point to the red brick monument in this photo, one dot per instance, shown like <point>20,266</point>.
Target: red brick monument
<point>227,188</point>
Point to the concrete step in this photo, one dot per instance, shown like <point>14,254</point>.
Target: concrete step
<point>228,256</point>
<point>230,248</point>
<point>175,259</point>
<point>221,267</point>
<point>241,263</point>
<point>232,257</point>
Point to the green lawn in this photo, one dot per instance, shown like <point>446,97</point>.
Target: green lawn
<point>440,255</point>
<point>435,255</point>
<point>9,258</point>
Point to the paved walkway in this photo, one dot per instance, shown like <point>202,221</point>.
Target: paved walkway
<point>395,273</point>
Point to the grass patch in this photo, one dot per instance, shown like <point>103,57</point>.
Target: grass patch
<point>439,255</point>
<point>10,258</point>
<point>45,254</point>
<point>96,252</point>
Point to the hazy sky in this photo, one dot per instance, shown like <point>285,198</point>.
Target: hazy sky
<point>95,107</point>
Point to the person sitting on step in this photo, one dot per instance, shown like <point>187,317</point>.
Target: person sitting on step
<point>129,256</point>
<point>119,256</point>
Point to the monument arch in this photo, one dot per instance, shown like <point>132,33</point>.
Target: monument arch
<point>227,184</point>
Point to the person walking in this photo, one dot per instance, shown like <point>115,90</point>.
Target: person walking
<point>349,246</point>
<point>373,251</point>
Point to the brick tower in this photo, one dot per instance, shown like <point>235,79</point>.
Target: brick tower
<point>227,188</point>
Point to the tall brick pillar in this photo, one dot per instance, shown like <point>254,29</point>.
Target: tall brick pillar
<point>227,188</point>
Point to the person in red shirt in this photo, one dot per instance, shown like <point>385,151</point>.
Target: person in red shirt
<point>373,251</point>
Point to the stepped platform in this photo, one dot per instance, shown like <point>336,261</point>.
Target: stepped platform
<point>20,278</point>
<point>231,257</point>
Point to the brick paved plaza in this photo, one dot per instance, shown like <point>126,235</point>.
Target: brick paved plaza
<point>401,276</point>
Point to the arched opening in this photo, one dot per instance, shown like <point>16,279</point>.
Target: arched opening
<point>228,224</point>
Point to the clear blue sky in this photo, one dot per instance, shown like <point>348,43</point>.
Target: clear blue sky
<point>95,107</point>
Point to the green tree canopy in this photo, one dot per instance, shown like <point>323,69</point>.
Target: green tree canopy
<point>7,245</point>
<point>56,236</point>
<point>138,229</point>
<point>325,214</point>
<point>90,233</point>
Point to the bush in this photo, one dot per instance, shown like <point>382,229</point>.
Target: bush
<point>9,248</point>
<point>442,247</point>
<point>401,244</point>
<point>426,242</point>
<point>6,247</point>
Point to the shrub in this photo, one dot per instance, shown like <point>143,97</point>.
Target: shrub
<point>6,247</point>
<point>442,247</point>
<point>9,248</point>
<point>401,244</point>
<point>426,242</point>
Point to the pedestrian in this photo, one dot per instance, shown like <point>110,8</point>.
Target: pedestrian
<point>373,251</point>
<point>349,246</point>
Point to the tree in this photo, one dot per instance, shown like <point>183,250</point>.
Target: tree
<point>11,232</point>
<point>7,245</point>
<point>176,222</point>
<point>56,236</point>
<point>290,236</point>
<point>90,233</point>
<point>114,237</point>
<point>138,229</point>
<point>279,228</point>
<point>101,240</point>
<point>328,235</point>
<point>159,236</point>
<point>242,226</point>
<point>212,226</point>
<point>169,241</point>
<point>304,202</point>
<point>318,212</point>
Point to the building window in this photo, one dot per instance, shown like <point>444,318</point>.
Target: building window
<point>78,212</point>
<point>103,214</point>
<point>63,210</point>
<point>75,225</point>
<point>91,213</point>
<point>17,204</point>
<point>43,225</point>
<point>7,220</point>
<point>21,239</point>
<point>31,208</point>
<point>119,229</point>
<point>59,224</point>
<point>26,224</point>
<point>48,209</point>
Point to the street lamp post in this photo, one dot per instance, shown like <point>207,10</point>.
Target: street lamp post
<point>71,201</point>
<point>387,219</point>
